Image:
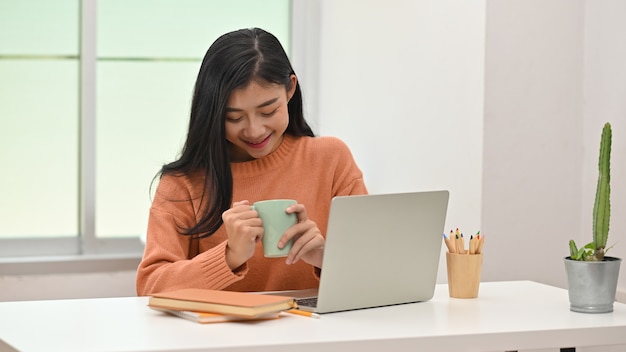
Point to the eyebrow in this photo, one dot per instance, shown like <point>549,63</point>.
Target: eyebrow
<point>266,103</point>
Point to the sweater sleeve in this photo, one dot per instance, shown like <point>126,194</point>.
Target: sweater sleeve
<point>348,178</point>
<point>166,264</point>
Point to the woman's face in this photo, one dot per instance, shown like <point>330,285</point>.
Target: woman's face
<point>256,119</point>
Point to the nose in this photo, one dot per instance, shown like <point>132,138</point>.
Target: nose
<point>254,129</point>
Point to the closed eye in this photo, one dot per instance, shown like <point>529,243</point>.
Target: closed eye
<point>234,119</point>
<point>269,114</point>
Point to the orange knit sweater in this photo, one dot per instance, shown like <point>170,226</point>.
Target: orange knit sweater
<point>311,170</point>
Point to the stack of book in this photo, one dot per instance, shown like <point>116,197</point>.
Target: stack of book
<point>211,306</point>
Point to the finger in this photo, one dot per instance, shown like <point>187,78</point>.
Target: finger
<point>241,202</point>
<point>255,235</point>
<point>306,244</point>
<point>293,232</point>
<point>300,211</point>
<point>301,234</point>
<point>245,212</point>
<point>240,214</point>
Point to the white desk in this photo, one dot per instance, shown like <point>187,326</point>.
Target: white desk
<point>505,316</point>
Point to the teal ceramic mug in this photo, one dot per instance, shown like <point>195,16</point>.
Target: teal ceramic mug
<point>276,221</point>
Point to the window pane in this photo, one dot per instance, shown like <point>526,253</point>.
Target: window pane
<point>149,55</point>
<point>39,27</point>
<point>143,109</point>
<point>39,148</point>
<point>182,28</point>
<point>39,117</point>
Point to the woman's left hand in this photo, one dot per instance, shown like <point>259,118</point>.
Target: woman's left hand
<point>308,242</point>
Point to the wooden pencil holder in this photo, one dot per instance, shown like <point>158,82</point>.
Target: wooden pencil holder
<point>464,274</point>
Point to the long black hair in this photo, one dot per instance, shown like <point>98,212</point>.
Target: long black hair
<point>231,62</point>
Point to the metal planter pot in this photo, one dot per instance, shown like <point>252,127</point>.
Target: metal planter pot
<point>592,285</point>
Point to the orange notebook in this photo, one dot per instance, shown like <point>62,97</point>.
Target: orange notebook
<point>241,304</point>
<point>206,318</point>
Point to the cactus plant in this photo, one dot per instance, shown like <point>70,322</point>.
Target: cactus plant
<point>595,250</point>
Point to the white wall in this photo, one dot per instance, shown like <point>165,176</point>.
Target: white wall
<point>555,73</point>
<point>401,82</point>
<point>64,286</point>
<point>533,137</point>
<point>605,100</point>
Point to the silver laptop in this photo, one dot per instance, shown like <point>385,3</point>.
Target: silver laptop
<point>380,250</point>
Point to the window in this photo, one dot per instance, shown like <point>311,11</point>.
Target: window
<point>94,98</point>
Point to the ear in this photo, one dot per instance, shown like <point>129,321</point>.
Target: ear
<point>292,91</point>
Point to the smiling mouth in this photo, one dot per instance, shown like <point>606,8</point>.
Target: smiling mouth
<point>260,144</point>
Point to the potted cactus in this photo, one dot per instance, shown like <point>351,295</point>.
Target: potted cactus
<point>591,275</point>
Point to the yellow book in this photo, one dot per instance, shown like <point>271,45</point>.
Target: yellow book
<point>243,304</point>
<point>205,318</point>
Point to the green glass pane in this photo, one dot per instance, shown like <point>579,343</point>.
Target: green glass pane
<point>39,27</point>
<point>144,94</point>
<point>182,28</point>
<point>39,148</point>
<point>143,112</point>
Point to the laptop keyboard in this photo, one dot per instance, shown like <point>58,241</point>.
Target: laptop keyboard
<point>307,302</point>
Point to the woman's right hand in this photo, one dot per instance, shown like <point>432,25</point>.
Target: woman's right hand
<point>244,229</point>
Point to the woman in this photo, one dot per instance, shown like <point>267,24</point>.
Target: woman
<point>247,141</point>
